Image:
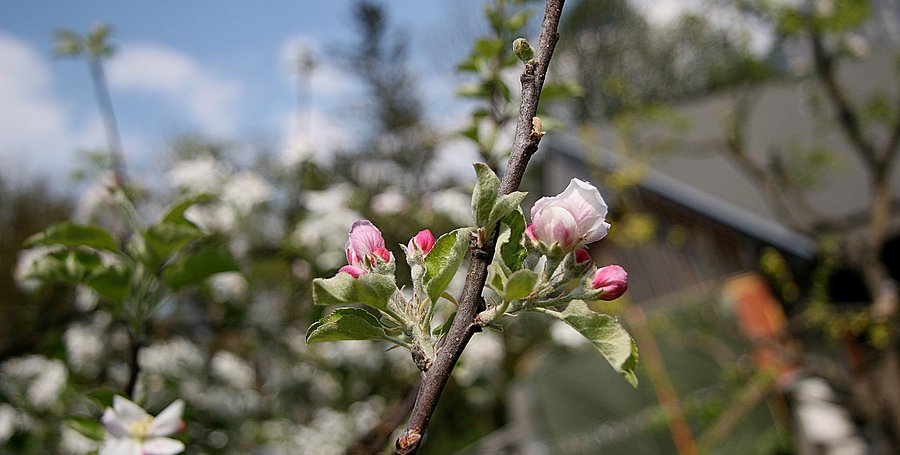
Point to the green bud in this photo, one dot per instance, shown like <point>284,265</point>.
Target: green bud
<point>523,50</point>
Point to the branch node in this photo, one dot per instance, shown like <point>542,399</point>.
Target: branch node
<point>408,442</point>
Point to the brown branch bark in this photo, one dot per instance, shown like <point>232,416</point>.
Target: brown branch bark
<point>471,302</point>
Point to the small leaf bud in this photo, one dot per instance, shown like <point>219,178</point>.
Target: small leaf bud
<point>522,48</point>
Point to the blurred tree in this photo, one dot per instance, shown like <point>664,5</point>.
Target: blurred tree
<point>623,62</point>
<point>96,48</point>
<point>28,319</point>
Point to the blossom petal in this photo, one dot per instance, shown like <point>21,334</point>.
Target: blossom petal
<point>596,233</point>
<point>121,446</point>
<point>363,239</point>
<point>162,446</point>
<point>114,424</point>
<point>611,280</point>
<point>127,410</point>
<point>555,225</point>
<point>586,205</point>
<point>168,421</point>
<point>353,270</point>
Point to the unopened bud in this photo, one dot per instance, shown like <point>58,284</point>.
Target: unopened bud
<point>611,281</point>
<point>522,48</point>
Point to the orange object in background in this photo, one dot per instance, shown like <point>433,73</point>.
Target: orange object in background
<point>761,321</point>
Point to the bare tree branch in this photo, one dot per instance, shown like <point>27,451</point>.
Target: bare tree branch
<point>525,144</point>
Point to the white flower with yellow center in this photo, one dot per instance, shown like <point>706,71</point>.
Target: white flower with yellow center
<point>132,431</point>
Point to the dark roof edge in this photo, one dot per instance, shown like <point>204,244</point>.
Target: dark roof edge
<point>741,220</point>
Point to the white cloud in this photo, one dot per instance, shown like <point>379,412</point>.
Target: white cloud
<point>210,99</point>
<point>36,131</point>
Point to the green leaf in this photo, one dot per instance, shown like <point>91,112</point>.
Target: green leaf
<point>195,266</point>
<point>175,213</point>
<point>512,250</point>
<point>484,197</point>
<point>75,235</point>
<point>496,278</point>
<point>345,324</point>
<point>112,282</point>
<point>505,205</point>
<point>605,333</point>
<point>103,396</point>
<point>520,284</point>
<point>164,239</point>
<point>90,427</point>
<point>443,261</point>
<point>560,90</point>
<point>67,266</point>
<point>445,327</point>
<point>371,289</point>
<point>489,47</point>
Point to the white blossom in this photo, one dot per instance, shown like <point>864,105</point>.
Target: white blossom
<point>131,431</point>
<point>228,286</point>
<point>564,335</point>
<point>200,175</point>
<point>234,370</point>
<point>43,378</point>
<point>245,190</point>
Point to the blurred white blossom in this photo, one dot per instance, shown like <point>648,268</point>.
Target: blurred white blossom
<point>481,357</point>
<point>228,286</point>
<point>245,190</point>
<point>203,174</point>
<point>233,370</point>
<point>388,202</point>
<point>42,379</point>
<point>85,345</point>
<point>8,417</point>
<point>454,204</point>
<point>564,335</point>
<point>75,443</point>
<point>173,358</point>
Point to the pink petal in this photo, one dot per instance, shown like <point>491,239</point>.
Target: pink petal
<point>611,280</point>
<point>353,270</point>
<point>555,225</point>
<point>168,421</point>
<point>582,255</point>
<point>362,240</point>
<point>424,240</point>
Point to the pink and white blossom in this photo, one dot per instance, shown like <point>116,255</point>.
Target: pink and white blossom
<point>572,218</point>
<point>611,281</point>
<point>364,244</point>
<point>132,431</point>
<point>424,240</point>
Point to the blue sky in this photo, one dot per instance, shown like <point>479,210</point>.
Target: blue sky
<point>219,68</point>
<point>214,67</point>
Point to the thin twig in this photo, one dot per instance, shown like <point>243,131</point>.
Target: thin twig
<point>464,325</point>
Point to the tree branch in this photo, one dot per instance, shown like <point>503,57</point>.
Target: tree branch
<point>846,116</point>
<point>471,302</point>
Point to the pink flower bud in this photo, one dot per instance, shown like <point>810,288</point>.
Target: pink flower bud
<point>424,240</point>
<point>611,281</point>
<point>353,270</point>
<point>529,232</point>
<point>365,241</point>
<point>571,218</point>
<point>582,256</point>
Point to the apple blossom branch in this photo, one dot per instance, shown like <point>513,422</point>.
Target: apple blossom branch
<point>527,137</point>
